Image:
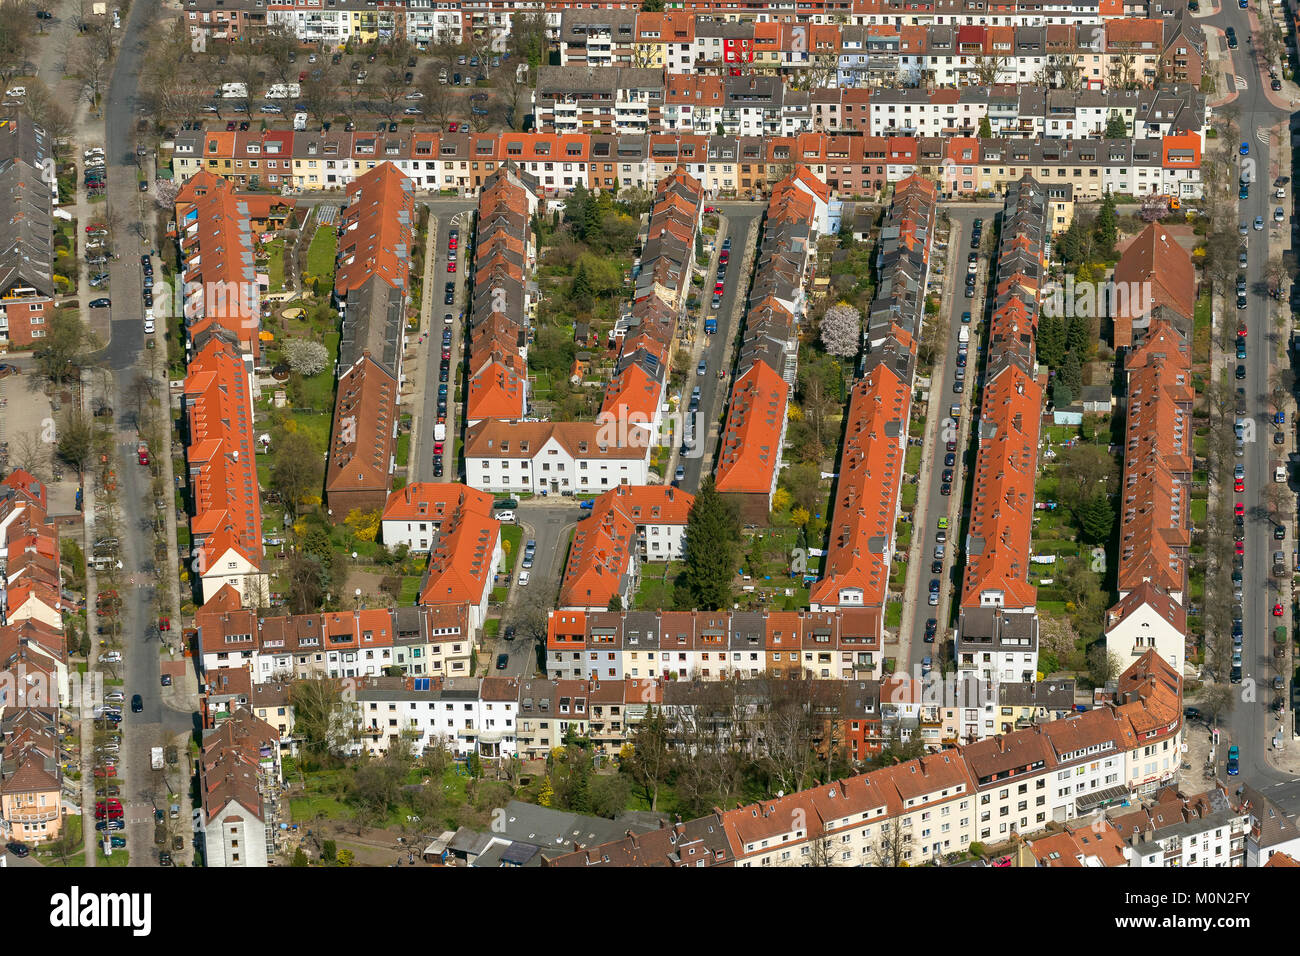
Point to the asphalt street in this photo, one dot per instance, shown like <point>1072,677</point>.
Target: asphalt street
<point>1251,723</point>
<point>445,215</point>
<point>142,791</point>
<point>932,504</point>
<point>717,351</point>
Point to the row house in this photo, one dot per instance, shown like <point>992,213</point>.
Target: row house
<point>27,287</point>
<point>218,286</point>
<point>230,20</point>
<point>843,644</point>
<point>856,568</point>
<point>464,562</point>
<point>1155,517</point>
<point>225,499</point>
<point>501,299</point>
<point>414,514</point>
<point>752,440</point>
<point>1207,830</point>
<point>371,291</point>
<point>853,163</point>
<point>462,715</point>
<point>645,332</point>
<point>997,629</point>
<point>597,37</point>
<point>31,777</point>
<point>626,526</point>
<point>432,640</point>
<point>239,781</point>
<point>537,457</point>
<point>614,99</point>
<point>334,23</point>
<point>941,803</point>
<point>249,159</point>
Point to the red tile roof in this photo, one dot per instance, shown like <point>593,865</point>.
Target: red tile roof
<point>751,441</point>
<point>856,568</point>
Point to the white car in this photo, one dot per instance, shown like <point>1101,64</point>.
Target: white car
<point>116,696</point>
<point>16,91</point>
<point>415,95</point>
<point>506,517</point>
<point>271,108</point>
<point>148,325</point>
<point>523,579</point>
<point>112,657</point>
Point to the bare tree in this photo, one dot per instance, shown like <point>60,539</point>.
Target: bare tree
<point>247,70</point>
<point>30,451</point>
<point>279,44</point>
<point>16,22</point>
<point>320,94</point>
<point>787,729</point>
<point>437,97</point>
<point>514,92</point>
<point>448,49</point>
<point>390,87</point>
<point>989,68</point>
<point>47,112</point>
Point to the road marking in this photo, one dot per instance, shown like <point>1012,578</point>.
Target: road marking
<point>1261,134</point>
<point>1241,82</point>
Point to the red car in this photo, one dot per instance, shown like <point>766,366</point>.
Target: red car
<point>453,127</point>
<point>110,809</point>
<point>710,208</point>
<point>451,265</point>
<point>1277,610</point>
<point>164,624</point>
<point>1239,508</point>
<point>94,226</point>
<point>724,256</point>
<point>109,771</point>
<point>446,353</point>
<point>437,448</point>
<point>1239,485</point>
<point>717,289</point>
<point>1240,547</point>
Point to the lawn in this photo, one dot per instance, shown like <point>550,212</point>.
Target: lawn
<point>410,592</point>
<point>275,265</point>
<point>893,614</point>
<point>513,535</point>
<point>320,254</point>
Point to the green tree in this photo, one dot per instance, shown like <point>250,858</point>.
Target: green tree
<point>580,291</point>
<point>1116,128</point>
<point>1107,227</point>
<point>1061,394</point>
<point>297,470</point>
<point>1051,340</point>
<point>1071,373</point>
<point>986,128</point>
<point>712,534</point>
<point>299,858</point>
<point>1096,516</point>
<point>1078,336</point>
